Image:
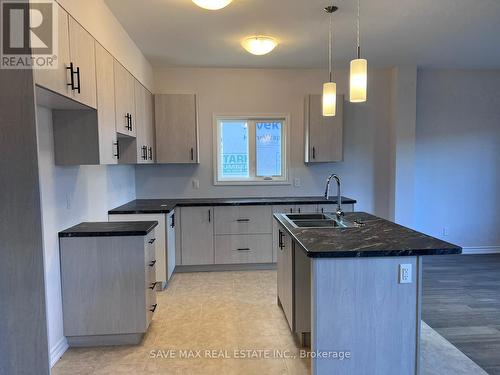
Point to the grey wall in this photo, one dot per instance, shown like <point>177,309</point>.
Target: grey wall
<point>365,169</point>
<point>70,195</point>
<point>458,157</point>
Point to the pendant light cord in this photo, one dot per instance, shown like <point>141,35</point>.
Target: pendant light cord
<point>358,50</point>
<point>330,42</point>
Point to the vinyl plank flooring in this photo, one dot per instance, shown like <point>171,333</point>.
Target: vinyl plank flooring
<point>461,301</point>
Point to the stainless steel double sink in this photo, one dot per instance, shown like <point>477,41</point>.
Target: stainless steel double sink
<point>317,221</point>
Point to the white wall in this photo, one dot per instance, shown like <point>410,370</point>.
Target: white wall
<point>458,156</point>
<point>98,20</point>
<point>70,195</point>
<point>365,167</point>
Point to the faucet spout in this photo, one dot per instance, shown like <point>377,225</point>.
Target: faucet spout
<point>339,211</point>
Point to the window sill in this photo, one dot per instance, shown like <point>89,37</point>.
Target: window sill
<point>252,183</point>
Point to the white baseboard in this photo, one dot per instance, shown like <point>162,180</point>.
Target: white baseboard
<point>57,351</point>
<point>482,250</point>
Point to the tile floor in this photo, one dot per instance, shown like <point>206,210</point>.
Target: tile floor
<point>203,311</point>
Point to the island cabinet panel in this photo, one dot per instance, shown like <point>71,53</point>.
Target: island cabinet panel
<point>197,231</point>
<point>285,274</point>
<point>243,220</point>
<point>245,248</point>
<point>83,58</point>
<point>359,306</point>
<point>57,79</point>
<point>106,288</point>
<point>124,101</point>
<point>176,124</point>
<point>323,135</point>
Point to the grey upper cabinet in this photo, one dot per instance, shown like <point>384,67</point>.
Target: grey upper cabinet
<point>57,79</point>
<point>323,135</point>
<point>144,124</point>
<point>108,145</point>
<point>197,235</point>
<point>124,101</point>
<point>176,123</point>
<point>82,53</point>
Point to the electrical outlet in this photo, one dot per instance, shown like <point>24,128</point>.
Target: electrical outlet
<point>196,184</point>
<point>296,182</point>
<point>405,273</point>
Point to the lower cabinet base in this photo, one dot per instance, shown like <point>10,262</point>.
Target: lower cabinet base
<point>105,340</point>
<point>226,267</point>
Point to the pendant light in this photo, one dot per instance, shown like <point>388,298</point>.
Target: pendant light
<point>359,73</point>
<point>330,87</point>
<point>212,4</point>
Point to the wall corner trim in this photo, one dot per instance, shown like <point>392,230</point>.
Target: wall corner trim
<point>58,350</point>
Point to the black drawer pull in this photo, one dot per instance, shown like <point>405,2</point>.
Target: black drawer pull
<point>152,264</point>
<point>153,308</point>
<point>152,240</point>
<point>244,249</point>
<point>192,153</point>
<point>117,155</point>
<point>151,153</point>
<point>173,221</point>
<point>280,240</point>
<point>153,285</point>
<point>78,79</point>
<point>72,76</point>
<point>243,220</point>
<point>314,153</point>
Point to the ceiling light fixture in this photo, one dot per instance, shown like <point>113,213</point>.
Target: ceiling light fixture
<point>212,4</point>
<point>359,73</point>
<point>330,87</point>
<point>259,44</point>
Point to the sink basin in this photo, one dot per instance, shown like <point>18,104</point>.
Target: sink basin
<point>316,223</point>
<point>308,217</point>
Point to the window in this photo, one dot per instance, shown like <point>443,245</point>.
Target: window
<point>250,150</point>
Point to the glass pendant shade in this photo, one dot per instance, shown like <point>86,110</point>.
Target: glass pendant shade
<point>212,4</point>
<point>259,45</point>
<point>358,80</point>
<point>329,99</point>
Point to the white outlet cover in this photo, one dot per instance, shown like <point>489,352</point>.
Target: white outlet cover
<point>405,274</point>
<point>196,184</point>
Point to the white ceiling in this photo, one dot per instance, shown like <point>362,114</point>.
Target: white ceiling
<point>439,33</point>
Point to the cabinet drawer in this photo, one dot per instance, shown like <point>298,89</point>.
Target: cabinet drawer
<point>244,248</point>
<point>243,220</point>
<point>150,304</point>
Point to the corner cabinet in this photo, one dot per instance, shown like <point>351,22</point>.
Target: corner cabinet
<point>176,122</point>
<point>323,135</point>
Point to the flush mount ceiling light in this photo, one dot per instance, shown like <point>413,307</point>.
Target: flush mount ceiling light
<point>330,87</point>
<point>259,44</point>
<point>212,4</point>
<point>359,73</point>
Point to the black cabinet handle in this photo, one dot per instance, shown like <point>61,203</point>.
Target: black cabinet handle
<point>117,155</point>
<point>291,210</point>
<point>151,153</point>
<point>244,249</point>
<point>280,240</point>
<point>314,152</point>
<point>131,122</point>
<point>153,285</point>
<point>78,79</point>
<point>243,220</point>
<point>152,240</point>
<point>299,210</point>
<point>209,216</point>
<point>153,308</point>
<point>172,225</point>
<point>192,153</point>
<point>152,264</point>
<point>144,152</point>
<point>72,76</point>
<point>127,125</point>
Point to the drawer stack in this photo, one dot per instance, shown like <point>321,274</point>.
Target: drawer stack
<point>243,234</point>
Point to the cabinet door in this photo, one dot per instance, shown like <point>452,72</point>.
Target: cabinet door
<point>279,209</point>
<point>176,126</point>
<point>124,101</point>
<point>160,242</point>
<point>106,106</point>
<point>197,230</point>
<point>57,79</point>
<point>323,136</point>
<point>285,274</point>
<point>82,52</point>
<point>140,123</point>
<point>150,125</point>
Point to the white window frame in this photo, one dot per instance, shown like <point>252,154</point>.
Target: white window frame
<point>284,180</point>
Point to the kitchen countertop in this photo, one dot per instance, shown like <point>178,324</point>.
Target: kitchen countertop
<point>109,229</point>
<point>156,206</point>
<point>377,238</point>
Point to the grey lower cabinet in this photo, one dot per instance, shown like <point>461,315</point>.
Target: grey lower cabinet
<point>197,232</point>
<point>108,287</point>
<point>285,259</point>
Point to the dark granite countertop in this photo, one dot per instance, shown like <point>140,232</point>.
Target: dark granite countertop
<point>110,229</point>
<point>156,206</point>
<point>377,238</point>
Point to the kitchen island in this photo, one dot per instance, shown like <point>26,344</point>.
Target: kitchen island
<point>354,293</point>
